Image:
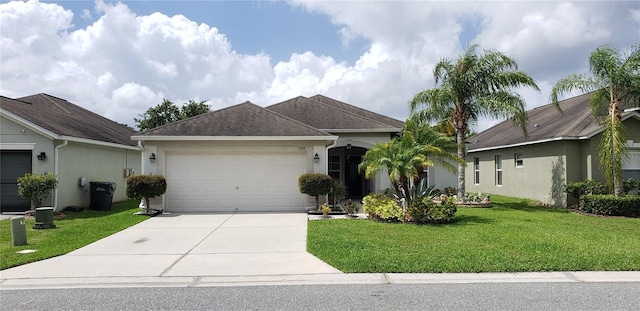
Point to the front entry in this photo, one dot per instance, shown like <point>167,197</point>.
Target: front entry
<point>343,166</point>
<point>13,164</point>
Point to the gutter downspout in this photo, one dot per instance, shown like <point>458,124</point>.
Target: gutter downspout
<point>56,168</point>
<point>326,164</point>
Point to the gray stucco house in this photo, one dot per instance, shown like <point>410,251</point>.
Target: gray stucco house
<point>249,158</point>
<point>560,148</point>
<point>42,133</point>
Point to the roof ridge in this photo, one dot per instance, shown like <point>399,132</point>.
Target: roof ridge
<point>354,106</point>
<point>46,96</point>
<point>351,113</point>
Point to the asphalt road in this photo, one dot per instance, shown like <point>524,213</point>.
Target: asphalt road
<point>484,296</point>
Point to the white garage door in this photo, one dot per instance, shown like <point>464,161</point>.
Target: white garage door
<point>234,181</point>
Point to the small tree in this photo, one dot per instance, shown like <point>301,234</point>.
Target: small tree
<point>36,187</point>
<point>315,184</point>
<point>337,192</point>
<point>146,187</point>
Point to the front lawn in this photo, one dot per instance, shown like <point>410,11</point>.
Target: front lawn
<point>72,232</point>
<point>511,236</point>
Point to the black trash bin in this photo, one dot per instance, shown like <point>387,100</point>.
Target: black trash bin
<point>101,195</point>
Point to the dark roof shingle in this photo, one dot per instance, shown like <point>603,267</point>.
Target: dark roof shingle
<point>545,123</point>
<point>327,116</point>
<point>66,119</point>
<point>359,111</point>
<point>246,119</point>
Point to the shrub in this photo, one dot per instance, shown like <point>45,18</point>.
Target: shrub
<point>449,191</point>
<point>427,211</point>
<point>146,187</point>
<point>315,184</point>
<point>337,192</point>
<point>631,186</point>
<point>36,187</point>
<point>589,186</point>
<point>351,207</point>
<point>611,205</point>
<point>382,207</point>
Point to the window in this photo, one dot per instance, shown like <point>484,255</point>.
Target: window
<point>334,167</point>
<point>518,159</point>
<point>498,170</point>
<point>476,171</point>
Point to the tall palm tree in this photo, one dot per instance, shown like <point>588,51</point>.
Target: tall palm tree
<point>474,85</point>
<point>615,83</point>
<point>404,158</point>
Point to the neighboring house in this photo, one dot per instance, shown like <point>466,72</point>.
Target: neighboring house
<point>560,148</point>
<point>42,133</point>
<point>249,158</point>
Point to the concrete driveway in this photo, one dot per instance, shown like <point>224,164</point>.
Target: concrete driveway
<point>187,246</point>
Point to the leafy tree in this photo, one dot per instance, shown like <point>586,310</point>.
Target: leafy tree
<point>168,112</point>
<point>193,108</point>
<point>405,157</point>
<point>36,187</point>
<point>615,83</point>
<point>315,184</point>
<point>474,85</point>
<point>146,187</point>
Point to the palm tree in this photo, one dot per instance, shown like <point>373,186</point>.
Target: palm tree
<point>615,83</point>
<point>474,85</point>
<point>404,158</point>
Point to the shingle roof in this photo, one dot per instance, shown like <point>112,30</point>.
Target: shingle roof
<point>66,119</point>
<point>246,119</point>
<point>359,111</point>
<point>328,116</point>
<point>545,123</point>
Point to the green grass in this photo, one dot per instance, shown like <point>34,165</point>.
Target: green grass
<point>511,236</point>
<point>74,231</point>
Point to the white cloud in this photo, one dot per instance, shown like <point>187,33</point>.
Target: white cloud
<point>123,63</point>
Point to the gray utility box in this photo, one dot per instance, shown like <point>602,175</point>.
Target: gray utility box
<point>18,231</point>
<point>44,218</point>
<point>101,195</point>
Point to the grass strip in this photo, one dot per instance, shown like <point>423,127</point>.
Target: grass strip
<point>512,236</point>
<point>76,230</point>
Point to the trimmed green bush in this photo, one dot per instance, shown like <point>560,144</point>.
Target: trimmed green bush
<point>611,205</point>
<point>315,184</point>
<point>631,186</point>
<point>589,186</point>
<point>146,187</point>
<point>36,187</point>
<point>380,206</point>
<point>427,211</point>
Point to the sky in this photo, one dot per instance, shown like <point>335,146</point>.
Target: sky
<point>118,59</point>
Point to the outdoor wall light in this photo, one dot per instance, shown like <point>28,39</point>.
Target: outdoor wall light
<point>316,158</point>
<point>42,156</point>
<point>152,158</point>
<point>348,146</point>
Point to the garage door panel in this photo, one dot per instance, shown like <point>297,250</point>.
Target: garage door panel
<point>230,181</point>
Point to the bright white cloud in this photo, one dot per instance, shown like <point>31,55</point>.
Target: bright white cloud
<point>123,63</point>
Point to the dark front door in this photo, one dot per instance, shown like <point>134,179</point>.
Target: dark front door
<point>13,164</point>
<point>353,179</point>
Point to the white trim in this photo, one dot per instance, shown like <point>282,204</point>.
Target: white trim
<point>228,138</point>
<point>56,169</point>
<point>98,142</point>
<point>24,122</point>
<point>17,146</point>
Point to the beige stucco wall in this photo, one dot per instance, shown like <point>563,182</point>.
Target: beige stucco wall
<point>161,148</point>
<point>542,177</point>
<point>95,163</point>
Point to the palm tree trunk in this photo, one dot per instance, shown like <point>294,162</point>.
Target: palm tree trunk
<point>616,131</point>
<point>461,166</point>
